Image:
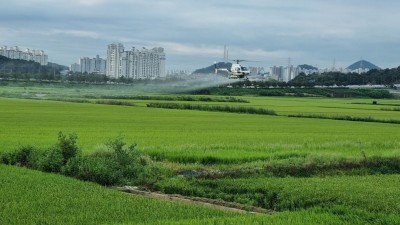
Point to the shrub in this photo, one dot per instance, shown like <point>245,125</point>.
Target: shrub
<point>102,170</point>
<point>112,164</point>
<point>149,175</point>
<point>25,156</point>
<point>52,160</point>
<point>68,146</point>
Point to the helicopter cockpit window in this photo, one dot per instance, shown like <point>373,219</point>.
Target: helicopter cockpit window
<point>244,68</point>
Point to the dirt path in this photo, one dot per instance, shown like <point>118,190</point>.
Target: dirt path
<point>234,207</point>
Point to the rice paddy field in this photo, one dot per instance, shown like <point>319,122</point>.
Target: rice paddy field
<point>308,170</point>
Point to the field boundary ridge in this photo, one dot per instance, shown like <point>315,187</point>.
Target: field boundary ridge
<point>219,204</point>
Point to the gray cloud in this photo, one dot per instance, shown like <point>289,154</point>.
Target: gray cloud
<point>194,32</point>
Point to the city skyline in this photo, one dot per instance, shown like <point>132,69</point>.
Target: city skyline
<point>194,33</point>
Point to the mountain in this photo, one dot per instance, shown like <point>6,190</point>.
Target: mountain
<point>211,69</point>
<point>57,67</point>
<point>307,67</point>
<point>362,64</point>
<point>8,65</point>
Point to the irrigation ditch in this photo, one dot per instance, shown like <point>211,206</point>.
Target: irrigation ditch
<point>213,203</point>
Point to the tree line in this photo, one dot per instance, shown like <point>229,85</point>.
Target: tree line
<point>386,77</point>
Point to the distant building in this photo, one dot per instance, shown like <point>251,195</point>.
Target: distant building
<point>114,52</point>
<point>87,65</point>
<point>282,73</point>
<point>135,64</point>
<point>75,67</point>
<point>29,55</point>
<point>276,72</point>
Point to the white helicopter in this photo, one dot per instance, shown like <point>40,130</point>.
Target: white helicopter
<point>236,71</point>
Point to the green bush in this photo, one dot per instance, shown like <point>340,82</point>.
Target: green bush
<point>52,160</point>
<point>68,146</point>
<point>150,174</point>
<point>113,164</point>
<point>26,156</point>
<point>102,170</point>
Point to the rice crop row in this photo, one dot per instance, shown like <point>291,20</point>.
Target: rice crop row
<point>191,136</point>
<point>31,197</point>
<point>348,118</point>
<point>213,108</point>
<point>171,98</point>
<point>374,198</point>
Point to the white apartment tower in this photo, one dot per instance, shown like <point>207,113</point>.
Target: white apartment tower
<point>114,52</point>
<point>135,64</point>
<point>87,65</point>
<point>29,55</point>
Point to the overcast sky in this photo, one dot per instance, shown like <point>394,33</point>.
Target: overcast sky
<point>194,33</point>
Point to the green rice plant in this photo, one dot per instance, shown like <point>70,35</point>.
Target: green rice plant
<point>215,108</point>
<point>352,195</point>
<point>391,109</point>
<point>189,136</point>
<point>32,197</point>
<point>349,118</point>
<point>114,102</point>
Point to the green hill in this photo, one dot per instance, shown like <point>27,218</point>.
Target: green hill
<point>211,69</point>
<point>308,67</point>
<point>12,66</point>
<point>363,64</point>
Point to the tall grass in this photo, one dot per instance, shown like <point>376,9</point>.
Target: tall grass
<point>114,102</point>
<point>214,108</point>
<point>348,118</point>
<point>172,98</point>
<point>32,197</point>
<point>351,195</point>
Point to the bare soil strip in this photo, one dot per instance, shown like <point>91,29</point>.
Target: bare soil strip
<point>219,204</point>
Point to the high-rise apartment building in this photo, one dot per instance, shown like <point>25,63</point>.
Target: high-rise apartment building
<point>87,65</point>
<point>29,55</point>
<point>114,52</point>
<point>284,74</point>
<point>135,64</point>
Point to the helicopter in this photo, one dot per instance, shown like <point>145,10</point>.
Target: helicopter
<point>236,71</point>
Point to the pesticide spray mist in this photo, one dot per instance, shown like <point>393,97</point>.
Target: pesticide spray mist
<point>191,83</point>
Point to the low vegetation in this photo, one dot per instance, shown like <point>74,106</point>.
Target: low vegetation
<point>344,194</point>
<point>348,118</point>
<point>111,164</point>
<point>33,197</point>
<point>283,89</point>
<point>114,102</point>
<point>308,170</point>
<point>213,108</point>
<point>172,98</point>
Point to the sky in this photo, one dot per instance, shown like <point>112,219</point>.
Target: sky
<point>193,33</point>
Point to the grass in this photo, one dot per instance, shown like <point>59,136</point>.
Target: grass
<point>349,118</point>
<point>374,198</point>
<point>60,200</point>
<point>31,197</point>
<point>252,159</point>
<point>189,136</point>
<point>213,108</point>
